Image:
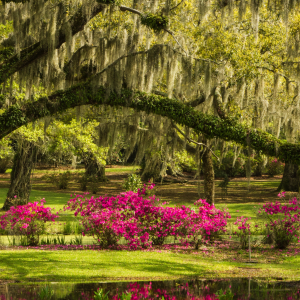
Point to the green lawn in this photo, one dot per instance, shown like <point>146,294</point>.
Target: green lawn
<point>77,266</point>
<point>88,265</point>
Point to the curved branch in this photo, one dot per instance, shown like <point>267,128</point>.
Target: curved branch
<point>212,126</point>
<point>36,51</point>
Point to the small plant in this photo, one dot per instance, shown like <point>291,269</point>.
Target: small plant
<point>99,295</point>
<point>94,184</point>
<point>46,241</point>
<point>83,182</point>
<point>126,296</point>
<point>60,180</point>
<point>132,183</point>
<point>45,293</point>
<point>59,240</point>
<point>67,228</point>
<point>78,228</point>
<point>77,240</point>
<point>243,231</point>
<point>224,295</point>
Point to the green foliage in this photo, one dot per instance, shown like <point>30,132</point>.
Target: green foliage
<point>211,126</point>
<point>274,167</point>
<point>184,161</point>
<point>132,183</point>
<point>83,182</point>
<point>56,240</point>
<point>67,228</point>
<point>60,180</point>
<point>225,295</point>
<point>126,296</point>
<point>77,240</point>
<point>99,295</point>
<point>155,22</point>
<point>45,293</point>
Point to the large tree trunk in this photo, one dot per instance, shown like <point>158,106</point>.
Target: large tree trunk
<point>20,187</point>
<point>92,167</point>
<point>290,179</point>
<point>209,176</point>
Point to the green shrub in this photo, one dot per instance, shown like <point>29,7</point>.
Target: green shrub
<point>275,167</point>
<point>132,183</point>
<point>83,182</point>
<point>67,228</point>
<point>45,293</point>
<point>60,180</point>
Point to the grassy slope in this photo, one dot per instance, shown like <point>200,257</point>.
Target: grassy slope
<point>67,266</point>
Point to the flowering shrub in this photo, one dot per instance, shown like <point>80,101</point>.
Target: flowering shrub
<point>27,220</point>
<point>214,220</point>
<point>283,220</point>
<point>275,167</point>
<point>243,230</point>
<point>142,220</point>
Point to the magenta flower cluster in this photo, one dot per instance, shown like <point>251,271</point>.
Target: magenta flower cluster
<point>283,220</point>
<point>27,220</point>
<point>243,231</point>
<point>143,221</point>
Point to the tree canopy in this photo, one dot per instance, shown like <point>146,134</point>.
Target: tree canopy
<point>225,69</point>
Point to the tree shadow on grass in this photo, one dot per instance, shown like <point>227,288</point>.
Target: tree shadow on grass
<point>45,266</point>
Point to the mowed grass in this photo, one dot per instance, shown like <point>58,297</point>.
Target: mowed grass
<point>88,265</point>
<point>80,266</point>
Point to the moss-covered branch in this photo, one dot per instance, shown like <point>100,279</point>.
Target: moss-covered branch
<point>227,129</point>
<point>30,54</point>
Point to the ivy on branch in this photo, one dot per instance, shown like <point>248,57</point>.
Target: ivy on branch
<point>212,126</point>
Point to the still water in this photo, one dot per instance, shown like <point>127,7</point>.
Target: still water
<point>193,289</point>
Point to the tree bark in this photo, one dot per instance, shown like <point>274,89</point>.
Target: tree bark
<point>20,187</point>
<point>209,176</point>
<point>92,167</point>
<point>290,179</point>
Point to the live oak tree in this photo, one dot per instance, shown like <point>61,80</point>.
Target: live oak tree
<point>191,70</point>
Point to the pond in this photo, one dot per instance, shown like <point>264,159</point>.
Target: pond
<point>195,289</point>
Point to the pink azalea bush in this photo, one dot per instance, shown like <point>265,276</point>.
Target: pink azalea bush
<point>27,220</point>
<point>283,220</point>
<point>214,220</point>
<point>142,220</point>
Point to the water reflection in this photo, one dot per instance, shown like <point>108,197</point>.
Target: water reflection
<point>196,289</point>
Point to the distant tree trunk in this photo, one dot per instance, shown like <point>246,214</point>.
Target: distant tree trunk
<point>20,187</point>
<point>209,176</point>
<point>4,162</point>
<point>92,167</point>
<point>290,179</point>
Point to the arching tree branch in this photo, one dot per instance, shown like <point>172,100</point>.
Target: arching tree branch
<point>85,93</point>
